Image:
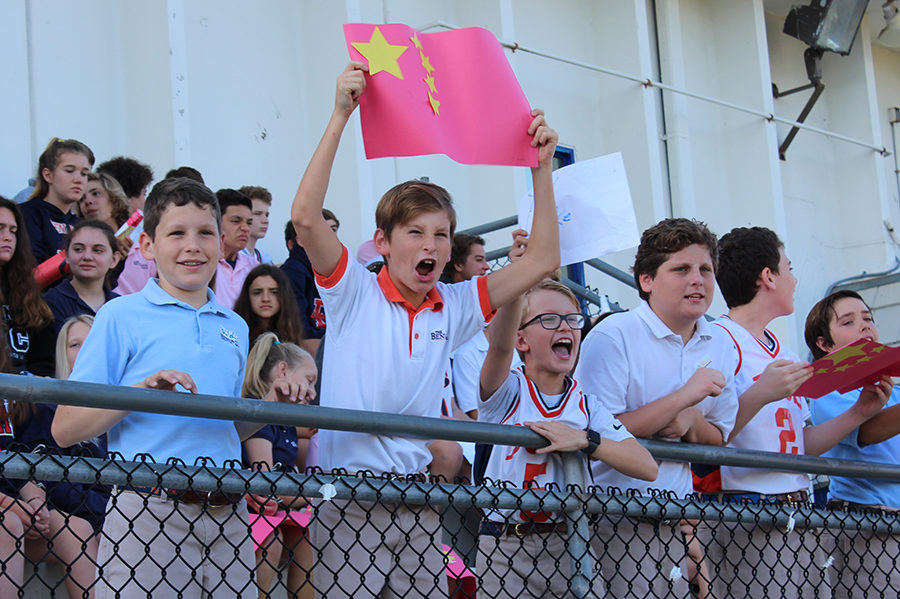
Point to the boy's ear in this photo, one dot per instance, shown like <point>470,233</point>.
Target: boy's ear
<point>146,245</point>
<point>381,243</point>
<point>821,344</point>
<point>646,282</point>
<point>767,278</point>
<point>521,342</point>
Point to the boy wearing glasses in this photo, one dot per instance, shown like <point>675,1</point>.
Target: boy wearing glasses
<point>664,375</point>
<point>524,552</point>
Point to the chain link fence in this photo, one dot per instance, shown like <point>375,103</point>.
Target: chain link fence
<point>191,530</point>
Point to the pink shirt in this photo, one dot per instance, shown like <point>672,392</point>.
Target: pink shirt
<point>230,280</point>
<point>138,270</point>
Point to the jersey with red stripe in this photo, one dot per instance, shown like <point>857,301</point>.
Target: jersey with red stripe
<point>777,427</point>
<point>518,401</point>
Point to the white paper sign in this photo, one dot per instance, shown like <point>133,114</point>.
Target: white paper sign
<point>593,203</point>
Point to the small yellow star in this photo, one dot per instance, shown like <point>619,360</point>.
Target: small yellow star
<point>434,104</point>
<point>843,368</point>
<point>879,349</point>
<point>426,63</point>
<point>845,354</point>
<point>381,55</point>
<point>430,81</point>
<point>866,359</point>
<point>822,371</point>
<point>415,40</point>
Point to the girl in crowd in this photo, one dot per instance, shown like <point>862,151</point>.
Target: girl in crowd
<point>27,317</point>
<point>66,516</point>
<point>267,303</point>
<point>275,447</point>
<point>91,254</point>
<point>61,181</point>
<point>71,337</point>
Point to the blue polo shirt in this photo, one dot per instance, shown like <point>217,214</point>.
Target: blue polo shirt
<point>137,335</point>
<point>859,490</point>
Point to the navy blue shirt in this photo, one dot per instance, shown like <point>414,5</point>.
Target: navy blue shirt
<point>65,303</point>
<point>47,226</point>
<point>31,350</point>
<point>78,499</point>
<point>300,273</point>
<point>284,446</point>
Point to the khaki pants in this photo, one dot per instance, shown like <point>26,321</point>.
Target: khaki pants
<point>640,559</point>
<point>152,547</point>
<point>746,560</point>
<point>536,565</point>
<point>377,550</point>
<point>866,564</point>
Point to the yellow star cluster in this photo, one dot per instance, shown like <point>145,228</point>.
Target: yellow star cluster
<point>429,78</point>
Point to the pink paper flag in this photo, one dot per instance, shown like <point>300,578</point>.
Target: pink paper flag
<point>451,92</point>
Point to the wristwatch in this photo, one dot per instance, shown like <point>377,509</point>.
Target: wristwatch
<point>594,439</point>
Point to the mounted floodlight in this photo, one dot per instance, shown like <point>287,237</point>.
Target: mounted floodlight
<point>827,25</point>
<point>890,35</point>
<point>824,26</point>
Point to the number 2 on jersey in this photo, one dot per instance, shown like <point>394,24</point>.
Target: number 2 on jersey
<point>787,436</point>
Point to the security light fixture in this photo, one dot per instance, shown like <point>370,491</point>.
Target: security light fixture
<point>828,25</point>
<point>890,35</point>
<point>824,26</point>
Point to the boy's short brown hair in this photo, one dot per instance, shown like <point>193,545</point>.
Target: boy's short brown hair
<point>818,321</point>
<point>255,192</point>
<point>404,201</point>
<point>178,191</point>
<point>664,239</point>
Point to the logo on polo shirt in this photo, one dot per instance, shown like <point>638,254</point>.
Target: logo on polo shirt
<point>228,336</point>
<point>438,335</point>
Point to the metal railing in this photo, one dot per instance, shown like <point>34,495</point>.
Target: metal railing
<point>578,502</point>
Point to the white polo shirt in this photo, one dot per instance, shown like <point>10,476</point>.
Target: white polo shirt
<point>384,355</point>
<point>777,427</point>
<point>631,359</point>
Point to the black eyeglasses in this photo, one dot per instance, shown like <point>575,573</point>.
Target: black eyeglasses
<point>551,321</point>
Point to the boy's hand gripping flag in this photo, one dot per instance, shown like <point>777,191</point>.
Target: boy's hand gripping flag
<point>451,92</point>
<point>851,367</point>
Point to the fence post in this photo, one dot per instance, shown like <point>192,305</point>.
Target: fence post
<point>578,524</point>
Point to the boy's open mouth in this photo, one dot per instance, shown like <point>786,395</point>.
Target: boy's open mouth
<point>562,348</point>
<point>425,267</point>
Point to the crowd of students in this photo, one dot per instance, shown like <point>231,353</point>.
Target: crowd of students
<point>423,330</point>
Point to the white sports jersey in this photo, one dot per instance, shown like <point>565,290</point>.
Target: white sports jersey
<point>384,355</point>
<point>518,401</point>
<point>777,427</point>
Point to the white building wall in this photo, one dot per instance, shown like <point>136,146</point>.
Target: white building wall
<point>242,91</point>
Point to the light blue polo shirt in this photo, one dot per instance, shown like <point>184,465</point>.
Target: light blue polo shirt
<point>137,335</point>
<point>859,490</point>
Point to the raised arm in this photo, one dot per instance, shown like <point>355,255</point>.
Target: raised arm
<point>542,256</point>
<point>320,242</point>
<point>504,325</point>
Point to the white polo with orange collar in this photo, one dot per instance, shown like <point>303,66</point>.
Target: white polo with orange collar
<point>384,355</point>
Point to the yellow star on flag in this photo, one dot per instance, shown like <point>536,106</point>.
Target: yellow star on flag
<point>381,55</point>
<point>434,104</point>
<point>845,354</point>
<point>426,62</point>
<point>879,349</point>
<point>430,81</point>
<point>843,368</point>
<point>415,40</point>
